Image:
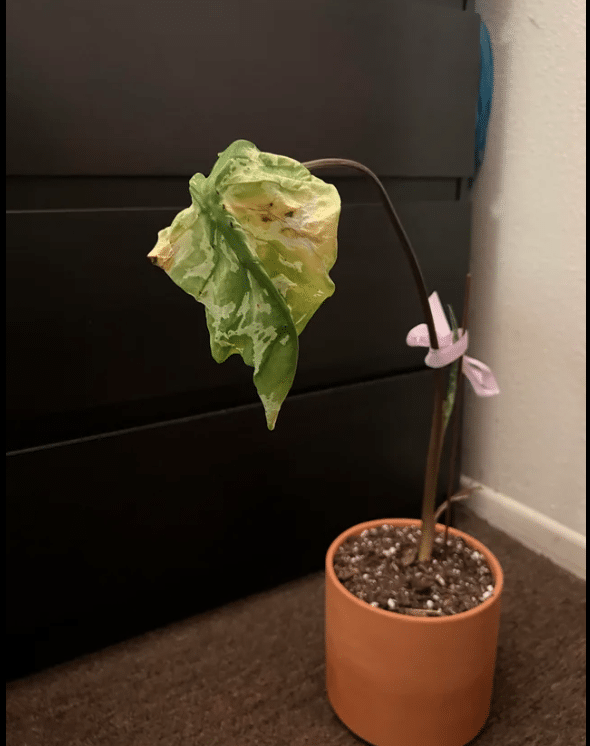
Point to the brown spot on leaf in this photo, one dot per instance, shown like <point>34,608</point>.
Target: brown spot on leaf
<point>162,256</point>
<point>289,214</point>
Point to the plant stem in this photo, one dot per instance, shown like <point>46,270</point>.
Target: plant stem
<point>457,418</point>
<point>399,229</point>
<point>463,494</point>
<point>432,468</point>
<point>437,428</point>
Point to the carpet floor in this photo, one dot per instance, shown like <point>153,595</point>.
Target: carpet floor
<point>252,673</point>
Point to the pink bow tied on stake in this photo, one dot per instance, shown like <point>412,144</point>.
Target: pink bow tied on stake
<point>479,375</point>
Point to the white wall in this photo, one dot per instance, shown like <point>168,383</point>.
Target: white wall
<point>527,318</point>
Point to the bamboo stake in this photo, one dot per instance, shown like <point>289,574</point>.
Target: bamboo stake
<point>457,419</point>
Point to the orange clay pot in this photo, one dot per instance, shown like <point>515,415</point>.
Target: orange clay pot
<point>398,680</point>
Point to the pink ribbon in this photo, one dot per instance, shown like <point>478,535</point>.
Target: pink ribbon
<point>479,375</point>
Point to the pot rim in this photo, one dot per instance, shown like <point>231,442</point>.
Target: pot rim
<point>406,618</point>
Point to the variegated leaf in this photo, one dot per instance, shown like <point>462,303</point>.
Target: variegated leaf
<point>255,247</point>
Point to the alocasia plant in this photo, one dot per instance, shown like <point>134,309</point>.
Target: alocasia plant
<point>255,247</point>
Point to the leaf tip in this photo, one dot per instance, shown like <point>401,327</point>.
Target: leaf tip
<point>271,419</point>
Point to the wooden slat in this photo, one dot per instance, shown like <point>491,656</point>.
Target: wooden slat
<point>112,536</point>
<point>130,88</point>
<point>98,338</point>
<point>33,193</point>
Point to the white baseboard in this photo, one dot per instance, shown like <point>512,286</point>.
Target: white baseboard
<point>562,545</point>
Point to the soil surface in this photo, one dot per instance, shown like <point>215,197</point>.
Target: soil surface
<point>380,567</point>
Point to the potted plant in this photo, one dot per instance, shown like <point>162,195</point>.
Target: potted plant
<point>412,607</point>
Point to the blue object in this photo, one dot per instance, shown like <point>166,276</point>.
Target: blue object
<point>484,101</point>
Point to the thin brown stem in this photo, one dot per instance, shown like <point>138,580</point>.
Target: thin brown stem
<point>463,494</point>
<point>399,229</point>
<point>457,418</point>
<point>437,428</point>
<point>432,468</point>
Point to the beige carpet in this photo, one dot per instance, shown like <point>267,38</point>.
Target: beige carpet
<point>252,673</point>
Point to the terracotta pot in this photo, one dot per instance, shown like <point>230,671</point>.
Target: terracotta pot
<point>398,680</point>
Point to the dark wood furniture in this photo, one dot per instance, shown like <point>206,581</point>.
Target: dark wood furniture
<point>142,483</point>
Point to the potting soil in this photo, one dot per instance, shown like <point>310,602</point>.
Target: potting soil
<point>380,567</point>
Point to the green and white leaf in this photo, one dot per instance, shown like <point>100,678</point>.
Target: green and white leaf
<point>255,247</point>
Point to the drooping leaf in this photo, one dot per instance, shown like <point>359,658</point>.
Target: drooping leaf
<point>255,247</point>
